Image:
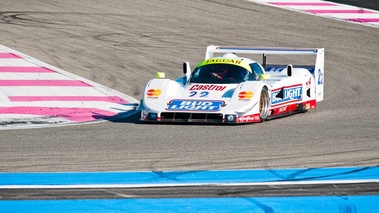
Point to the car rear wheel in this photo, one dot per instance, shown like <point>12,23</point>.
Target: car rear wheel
<point>264,104</point>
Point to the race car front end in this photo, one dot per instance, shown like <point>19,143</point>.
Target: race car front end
<point>159,106</point>
<point>200,103</point>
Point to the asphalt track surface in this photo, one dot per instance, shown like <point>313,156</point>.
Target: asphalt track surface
<point>121,44</point>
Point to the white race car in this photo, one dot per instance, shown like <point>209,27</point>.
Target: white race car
<point>233,89</point>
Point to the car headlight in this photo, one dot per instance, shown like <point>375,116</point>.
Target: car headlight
<point>230,118</point>
<point>152,116</point>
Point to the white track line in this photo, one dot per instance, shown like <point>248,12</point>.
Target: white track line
<point>95,186</point>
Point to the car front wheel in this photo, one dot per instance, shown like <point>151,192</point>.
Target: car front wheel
<point>264,104</point>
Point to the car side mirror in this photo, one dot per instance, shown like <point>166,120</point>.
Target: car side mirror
<point>186,67</point>
<point>289,70</point>
<point>187,70</point>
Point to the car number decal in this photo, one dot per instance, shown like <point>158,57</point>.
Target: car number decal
<point>202,94</point>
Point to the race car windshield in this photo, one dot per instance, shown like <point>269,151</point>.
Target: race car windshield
<point>220,73</point>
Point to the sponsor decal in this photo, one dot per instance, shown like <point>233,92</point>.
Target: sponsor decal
<point>274,69</point>
<point>286,94</point>
<point>281,68</point>
<point>231,61</point>
<point>195,105</point>
<point>153,93</point>
<point>309,82</point>
<point>243,95</point>
<point>208,87</point>
<point>282,109</point>
<point>222,60</point>
<point>249,118</point>
<point>320,79</point>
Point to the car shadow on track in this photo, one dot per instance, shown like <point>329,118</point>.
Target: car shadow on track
<point>132,116</point>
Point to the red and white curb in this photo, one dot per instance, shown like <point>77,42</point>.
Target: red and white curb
<point>328,9</point>
<point>33,93</point>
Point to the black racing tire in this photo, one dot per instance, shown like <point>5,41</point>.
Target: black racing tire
<point>264,104</point>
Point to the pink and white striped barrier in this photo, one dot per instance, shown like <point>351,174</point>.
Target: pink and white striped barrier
<point>328,9</point>
<point>33,93</point>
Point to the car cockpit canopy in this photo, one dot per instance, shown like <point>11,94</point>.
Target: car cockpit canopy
<point>224,70</point>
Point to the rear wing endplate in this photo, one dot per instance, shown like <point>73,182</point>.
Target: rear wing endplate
<point>318,52</point>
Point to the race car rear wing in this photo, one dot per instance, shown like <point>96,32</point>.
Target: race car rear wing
<point>318,67</point>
